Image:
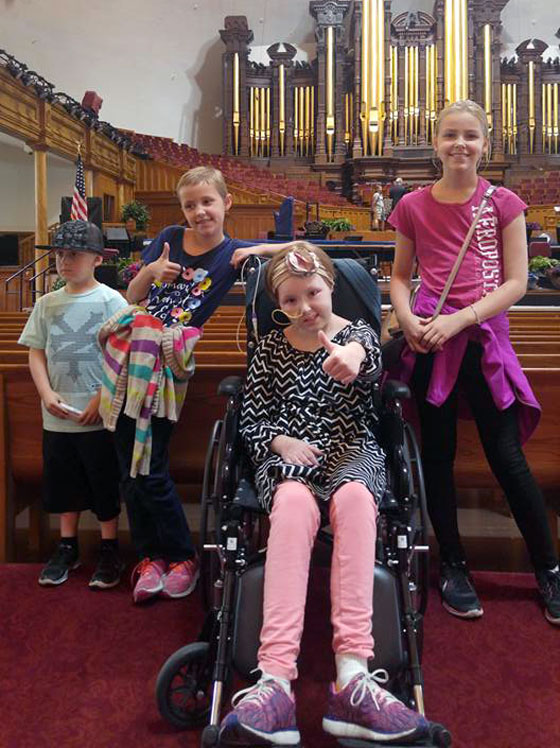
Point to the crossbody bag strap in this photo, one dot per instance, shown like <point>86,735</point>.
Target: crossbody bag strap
<point>487,195</point>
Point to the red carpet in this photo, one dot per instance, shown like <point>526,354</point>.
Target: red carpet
<point>78,667</point>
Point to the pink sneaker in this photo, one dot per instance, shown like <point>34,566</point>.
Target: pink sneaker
<point>149,579</point>
<point>181,578</point>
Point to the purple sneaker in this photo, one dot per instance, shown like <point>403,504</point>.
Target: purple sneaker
<point>365,710</point>
<point>147,578</point>
<point>265,715</point>
<point>181,578</point>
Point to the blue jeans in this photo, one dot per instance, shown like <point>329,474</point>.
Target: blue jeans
<point>157,522</point>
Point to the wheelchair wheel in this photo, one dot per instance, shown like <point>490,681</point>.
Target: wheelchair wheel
<point>183,686</point>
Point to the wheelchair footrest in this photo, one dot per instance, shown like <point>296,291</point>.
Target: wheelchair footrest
<point>439,737</point>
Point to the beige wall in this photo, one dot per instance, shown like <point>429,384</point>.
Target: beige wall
<point>156,63</point>
<point>17,186</point>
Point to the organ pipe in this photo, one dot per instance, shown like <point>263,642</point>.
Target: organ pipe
<point>488,73</point>
<point>236,118</point>
<point>372,109</point>
<point>329,120</point>
<point>282,109</point>
<point>532,114</point>
<point>456,75</point>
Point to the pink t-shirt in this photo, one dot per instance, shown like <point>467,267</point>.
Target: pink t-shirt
<point>439,229</point>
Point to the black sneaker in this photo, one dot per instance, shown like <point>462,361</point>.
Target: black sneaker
<point>63,560</point>
<point>458,594</point>
<point>108,571</point>
<point>549,587</point>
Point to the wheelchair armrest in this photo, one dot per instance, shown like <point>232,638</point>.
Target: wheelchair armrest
<point>246,496</point>
<point>230,386</point>
<point>395,390</point>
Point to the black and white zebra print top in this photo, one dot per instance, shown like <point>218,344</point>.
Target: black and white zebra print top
<point>287,392</point>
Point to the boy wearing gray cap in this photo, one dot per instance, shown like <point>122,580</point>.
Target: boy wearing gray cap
<point>79,464</point>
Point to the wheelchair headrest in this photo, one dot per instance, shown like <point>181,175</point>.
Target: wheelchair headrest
<point>355,295</point>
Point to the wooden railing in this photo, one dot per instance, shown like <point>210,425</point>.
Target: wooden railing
<point>252,211</point>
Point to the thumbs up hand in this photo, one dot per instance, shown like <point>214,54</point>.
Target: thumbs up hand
<point>163,269</point>
<point>344,361</point>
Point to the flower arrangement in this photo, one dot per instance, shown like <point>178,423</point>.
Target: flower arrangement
<point>127,270</point>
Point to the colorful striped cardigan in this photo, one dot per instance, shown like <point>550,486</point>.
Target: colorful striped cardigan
<point>149,366</point>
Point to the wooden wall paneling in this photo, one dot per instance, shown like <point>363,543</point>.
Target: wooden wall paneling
<point>250,221</point>
<point>63,132</point>
<point>104,185</point>
<point>128,166</point>
<point>164,209</point>
<point>104,155</point>
<point>19,109</point>
<point>358,217</point>
<point>545,215</point>
<point>244,221</point>
<point>10,302</point>
<point>26,247</point>
<point>154,176</point>
<point>6,505</point>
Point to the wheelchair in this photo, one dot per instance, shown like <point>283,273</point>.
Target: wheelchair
<point>192,684</point>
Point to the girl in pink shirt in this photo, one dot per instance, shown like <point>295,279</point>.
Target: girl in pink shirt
<point>466,350</point>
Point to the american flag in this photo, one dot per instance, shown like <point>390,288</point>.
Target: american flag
<point>79,204</point>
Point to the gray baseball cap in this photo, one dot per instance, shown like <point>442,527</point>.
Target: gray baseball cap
<point>81,236</point>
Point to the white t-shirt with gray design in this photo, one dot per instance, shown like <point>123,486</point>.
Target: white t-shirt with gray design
<point>65,326</point>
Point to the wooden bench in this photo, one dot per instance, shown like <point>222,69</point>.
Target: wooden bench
<point>21,433</point>
<point>217,356</point>
<point>542,449</point>
<point>21,452</point>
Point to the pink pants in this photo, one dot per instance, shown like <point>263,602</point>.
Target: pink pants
<point>294,522</point>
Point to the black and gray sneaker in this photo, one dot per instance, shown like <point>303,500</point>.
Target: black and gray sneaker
<point>458,594</point>
<point>108,571</point>
<point>63,560</point>
<point>549,587</point>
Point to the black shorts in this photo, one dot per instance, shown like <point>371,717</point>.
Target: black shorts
<point>80,472</point>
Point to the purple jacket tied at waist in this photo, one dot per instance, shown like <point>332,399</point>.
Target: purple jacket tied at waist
<point>500,365</point>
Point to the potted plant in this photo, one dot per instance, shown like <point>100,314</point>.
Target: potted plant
<point>543,271</point>
<point>137,212</point>
<point>338,226</point>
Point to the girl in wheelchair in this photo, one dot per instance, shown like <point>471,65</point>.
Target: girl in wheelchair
<point>307,424</point>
